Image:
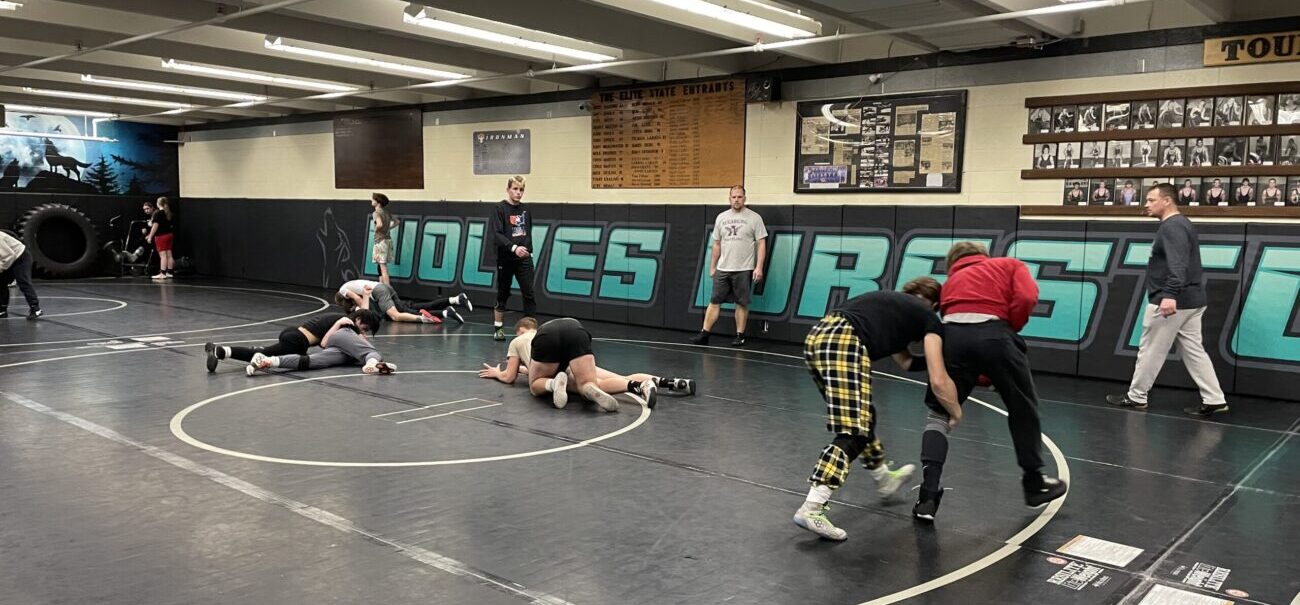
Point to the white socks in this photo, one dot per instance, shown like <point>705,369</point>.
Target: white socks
<point>818,495</point>
<point>880,472</point>
<point>550,385</point>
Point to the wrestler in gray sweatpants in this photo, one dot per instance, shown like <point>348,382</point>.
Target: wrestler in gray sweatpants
<point>345,347</point>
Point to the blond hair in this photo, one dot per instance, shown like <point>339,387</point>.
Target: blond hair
<point>516,179</point>
<point>527,323</point>
<point>165,206</point>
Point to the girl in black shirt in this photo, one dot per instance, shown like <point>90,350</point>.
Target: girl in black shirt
<point>160,235</point>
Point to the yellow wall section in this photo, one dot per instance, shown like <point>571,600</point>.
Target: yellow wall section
<point>302,166</point>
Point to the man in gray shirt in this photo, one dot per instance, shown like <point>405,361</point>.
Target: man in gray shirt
<point>737,260</point>
<point>1175,304</point>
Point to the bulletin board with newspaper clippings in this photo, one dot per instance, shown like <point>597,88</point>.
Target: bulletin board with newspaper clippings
<point>887,143</point>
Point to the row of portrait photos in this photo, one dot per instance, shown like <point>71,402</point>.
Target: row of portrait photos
<point>1281,150</point>
<point>1189,191</point>
<point>1249,110</point>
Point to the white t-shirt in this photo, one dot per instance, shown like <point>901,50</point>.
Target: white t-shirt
<point>522,347</point>
<point>739,233</point>
<point>357,286</point>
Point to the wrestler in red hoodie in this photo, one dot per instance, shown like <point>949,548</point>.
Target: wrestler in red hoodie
<point>985,303</point>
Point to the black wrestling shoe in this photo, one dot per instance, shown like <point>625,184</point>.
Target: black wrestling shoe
<point>650,393</point>
<point>927,505</point>
<point>211,349</point>
<point>1205,411</point>
<point>702,338</point>
<point>1124,402</point>
<point>1043,489</point>
<point>739,341</point>
<point>37,313</point>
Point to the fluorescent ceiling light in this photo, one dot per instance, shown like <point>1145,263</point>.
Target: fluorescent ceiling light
<point>11,6</point>
<point>251,76</point>
<point>421,17</point>
<point>170,89</point>
<point>275,43</point>
<point>12,107</point>
<point>105,98</point>
<point>746,20</point>
<point>52,135</point>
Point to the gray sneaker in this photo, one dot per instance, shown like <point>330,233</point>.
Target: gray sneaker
<point>604,400</point>
<point>816,522</point>
<point>560,396</point>
<point>888,486</point>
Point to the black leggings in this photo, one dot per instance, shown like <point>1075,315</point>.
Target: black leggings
<point>20,271</point>
<point>292,340</point>
<point>509,269</point>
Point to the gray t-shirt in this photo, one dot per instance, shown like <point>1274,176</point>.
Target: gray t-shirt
<point>522,347</point>
<point>739,233</point>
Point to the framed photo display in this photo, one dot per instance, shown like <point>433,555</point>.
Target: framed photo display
<point>1288,109</point>
<point>1172,152</point>
<point>1089,118</point>
<point>1227,111</point>
<point>1045,156</point>
<point>1260,151</point>
<point>1101,192</point>
<point>890,143</point>
<point>1117,115</point>
<point>1272,191</point>
<point>1171,113</point>
<point>1075,193</point>
<point>1200,151</point>
<point>1144,114</point>
<point>1068,156</point>
<point>1214,191</point>
<point>1118,153</point>
<point>1094,154</point>
<point>1293,191</point>
<point>1259,110</point>
<point>1144,153</point>
<point>1288,150</point>
<point>1189,191</point>
<point>1040,120</point>
<point>1229,151</point>
<point>1063,118</point>
<point>1200,113</point>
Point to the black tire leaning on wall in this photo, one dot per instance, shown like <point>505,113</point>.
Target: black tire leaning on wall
<point>62,240</point>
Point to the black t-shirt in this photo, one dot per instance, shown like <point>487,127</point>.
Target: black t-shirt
<point>164,224</point>
<point>886,322</point>
<point>321,324</point>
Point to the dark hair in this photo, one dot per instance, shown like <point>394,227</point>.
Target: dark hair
<point>367,317</point>
<point>1163,190</point>
<point>342,300</point>
<point>381,198</point>
<point>961,250</point>
<point>926,287</point>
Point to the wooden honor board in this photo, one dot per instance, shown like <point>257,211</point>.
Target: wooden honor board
<point>677,135</point>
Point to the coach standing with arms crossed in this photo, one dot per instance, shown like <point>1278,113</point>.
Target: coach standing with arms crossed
<point>736,261</point>
<point>1175,305</point>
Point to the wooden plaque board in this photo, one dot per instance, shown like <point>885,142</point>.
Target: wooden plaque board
<point>383,150</point>
<point>678,135</point>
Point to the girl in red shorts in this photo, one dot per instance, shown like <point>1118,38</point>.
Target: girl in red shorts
<point>160,234</point>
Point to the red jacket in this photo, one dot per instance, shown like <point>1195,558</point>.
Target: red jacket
<point>993,286</point>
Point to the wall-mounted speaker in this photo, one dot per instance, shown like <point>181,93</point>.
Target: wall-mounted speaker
<point>762,89</point>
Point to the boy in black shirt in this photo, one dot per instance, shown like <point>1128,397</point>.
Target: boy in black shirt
<point>839,351</point>
<point>294,340</point>
<point>512,234</point>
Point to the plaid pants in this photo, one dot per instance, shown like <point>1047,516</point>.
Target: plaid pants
<point>841,368</point>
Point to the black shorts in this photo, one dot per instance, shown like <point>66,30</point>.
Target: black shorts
<point>561,341</point>
<point>732,286</point>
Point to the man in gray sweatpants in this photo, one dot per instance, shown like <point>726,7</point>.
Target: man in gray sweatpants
<point>1175,305</point>
<point>343,344</point>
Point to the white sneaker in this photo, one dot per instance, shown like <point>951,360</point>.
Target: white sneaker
<point>560,396</point>
<point>374,366</point>
<point>260,362</point>
<point>160,276</point>
<point>816,522</point>
<point>888,485</point>
<point>604,400</point>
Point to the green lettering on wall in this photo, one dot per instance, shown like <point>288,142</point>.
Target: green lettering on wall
<point>403,260</point>
<point>1213,256</point>
<point>783,254</point>
<point>564,258</point>
<point>870,254</point>
<point>441,238</point>
<point>1073,300</point>
<point>644,272</point>
<point>1269,306</point>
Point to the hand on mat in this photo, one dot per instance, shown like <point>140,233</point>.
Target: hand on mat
<point>1168,306</point>
<point>490,371</point>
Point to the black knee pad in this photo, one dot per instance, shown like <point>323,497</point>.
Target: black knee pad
<point>852,445</point>
<point>934,447</point>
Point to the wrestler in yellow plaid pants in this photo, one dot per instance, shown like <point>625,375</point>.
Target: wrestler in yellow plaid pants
<point>841,367</point>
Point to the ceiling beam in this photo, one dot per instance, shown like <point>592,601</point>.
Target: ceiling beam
<point>865,24</point>
<point>1058,25</point>
<point>1218,11</point>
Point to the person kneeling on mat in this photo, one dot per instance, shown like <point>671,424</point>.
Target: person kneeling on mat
<point>838,352</point>
<point>293,340</point>
<point>383,298</point>
<point>986,302</point>
<point>520,355</point>
<point>562,344</point>
<point>344,343</point>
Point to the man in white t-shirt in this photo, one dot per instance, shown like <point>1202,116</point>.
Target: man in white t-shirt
<point>737,260</point>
